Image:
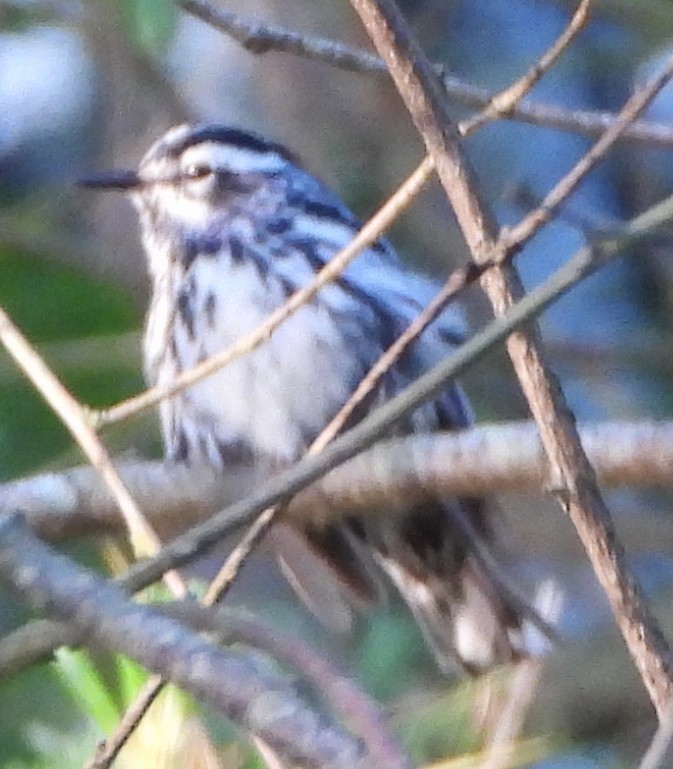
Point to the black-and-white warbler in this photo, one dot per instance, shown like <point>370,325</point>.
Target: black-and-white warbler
<point>232,225</point>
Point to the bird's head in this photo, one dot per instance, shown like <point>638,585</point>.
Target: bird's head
<point>192,172</point>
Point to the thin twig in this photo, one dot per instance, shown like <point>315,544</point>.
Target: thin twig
<point>224,579</point>
<point>143,537</point>
<point>259,38</point>
<point>457,281</point>
<point>108,750</point>
<point>515,237</point>
<point>506,101</point>
<point>574,483</point>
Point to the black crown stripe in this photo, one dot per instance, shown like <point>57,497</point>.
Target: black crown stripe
<point>234,137</point>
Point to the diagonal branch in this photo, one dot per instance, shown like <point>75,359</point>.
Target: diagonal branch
<point>516,237</point>
<point>573,478</point>
<point>73,416</point>
<point>504,102</point>
<point>260,38</point>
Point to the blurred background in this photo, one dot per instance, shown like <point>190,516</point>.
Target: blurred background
<point>89,85</point>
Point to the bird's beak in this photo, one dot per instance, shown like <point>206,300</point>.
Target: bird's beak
<point>111,180</point>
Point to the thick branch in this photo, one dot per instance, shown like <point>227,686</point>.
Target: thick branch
<point>38,639</point>
<point>483,460</point>
<point>255,700</point>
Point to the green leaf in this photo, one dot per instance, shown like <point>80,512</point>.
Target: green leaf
<point>81,678</point>
<point>150,23</point>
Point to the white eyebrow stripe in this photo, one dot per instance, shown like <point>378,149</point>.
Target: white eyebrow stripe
<point>228,157</point>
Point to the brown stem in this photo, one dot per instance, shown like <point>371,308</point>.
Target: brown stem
<point>573,481</point>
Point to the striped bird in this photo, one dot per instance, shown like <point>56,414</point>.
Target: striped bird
<point>232,225</point>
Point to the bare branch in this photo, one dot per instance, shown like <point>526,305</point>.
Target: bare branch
<point>73,416</point>
<point>224,579</point>
<point>260,38</point>
<point>395,474</point>
<point>506,101</point>
<point>250,697</point>
<point>516,237</point>
<point>34,642</point>
<point>573,476</point>
<point>108,750</point>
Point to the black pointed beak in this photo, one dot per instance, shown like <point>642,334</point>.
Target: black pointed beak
<point>111,180</point>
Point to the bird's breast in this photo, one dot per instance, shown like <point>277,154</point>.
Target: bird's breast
<point>271,400</point>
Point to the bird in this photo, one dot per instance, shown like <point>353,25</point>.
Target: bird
<point>232,224</point>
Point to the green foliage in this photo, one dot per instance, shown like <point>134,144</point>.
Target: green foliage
<point>391,645</point>
<point>103,687</point>
<point>101,691</point>
<point>57,306</point>
<point>443,725</point>
<point>52,303</point>
<point>150,24</point>
<point>38,727</point>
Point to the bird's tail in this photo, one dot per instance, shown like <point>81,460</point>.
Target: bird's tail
<point>466,607</point>
<point>463,619</point>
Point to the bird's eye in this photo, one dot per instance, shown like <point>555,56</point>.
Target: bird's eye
<point>197,171</point>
